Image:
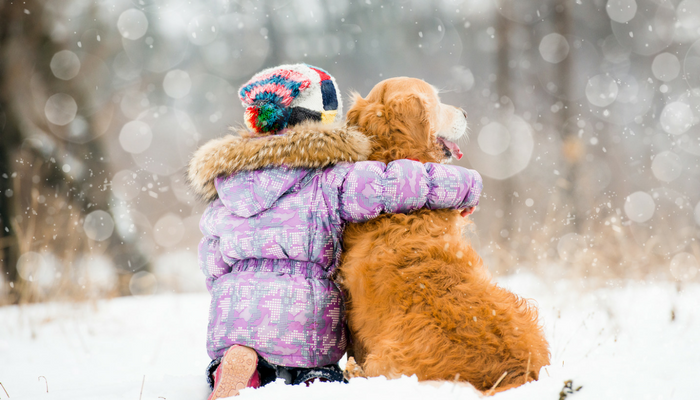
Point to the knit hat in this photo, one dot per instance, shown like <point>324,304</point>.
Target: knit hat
<point>281,97</point>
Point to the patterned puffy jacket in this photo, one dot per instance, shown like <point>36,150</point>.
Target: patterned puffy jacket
<point>272,233</point>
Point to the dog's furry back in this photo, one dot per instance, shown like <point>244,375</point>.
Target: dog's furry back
<point>422,303</point>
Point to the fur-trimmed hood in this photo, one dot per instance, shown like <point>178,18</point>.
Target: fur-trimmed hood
<point>308,145</point>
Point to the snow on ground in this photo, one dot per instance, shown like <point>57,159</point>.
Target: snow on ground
<point>632,340</point>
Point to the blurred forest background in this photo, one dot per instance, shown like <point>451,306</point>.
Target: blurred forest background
<point>584,118</point>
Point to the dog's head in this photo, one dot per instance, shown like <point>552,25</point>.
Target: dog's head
<point>405,119</point>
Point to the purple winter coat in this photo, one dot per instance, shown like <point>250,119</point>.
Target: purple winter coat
<point>272,240</point>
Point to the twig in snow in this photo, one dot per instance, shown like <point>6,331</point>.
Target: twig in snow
<point>45,381</point>
<point>491,391</point>
<point>568,389</point>
<point>3,388</point>
<point>583,324</point>
<point>142,382</point>
<point>527,371</point>
<point>456,381</point>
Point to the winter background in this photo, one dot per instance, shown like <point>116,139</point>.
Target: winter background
<point>584,122</point>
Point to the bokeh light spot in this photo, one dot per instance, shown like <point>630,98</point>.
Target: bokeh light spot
<point>554,48</point>
<point>169,230</point>
<point>676,118</point>
<point>143,283</point>
<point>65,65</point>
<point>667,166</point>
<point>494,138</point>
<point>98,225</point>
<point>177,83</point>
<point>506,162</point>
<point>132,24</point>
<point>666,67</point>
<point>621,10</point>
<point>135,137</point>
<point>29,264</point>
<point>601,90</point>
<point>639,207</point>
<point>684,266</point>
<point>61,109</point>
<point>125,186</point>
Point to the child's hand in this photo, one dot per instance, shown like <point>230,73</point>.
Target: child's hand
<point>467,211</point>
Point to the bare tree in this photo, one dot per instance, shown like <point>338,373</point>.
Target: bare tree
<point>572,146</point>
<point>35,163</point>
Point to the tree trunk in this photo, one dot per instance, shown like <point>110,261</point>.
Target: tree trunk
<point>571,144</point>
<point>25,48</point>
<point>11,139</point>
<point>503,82</point>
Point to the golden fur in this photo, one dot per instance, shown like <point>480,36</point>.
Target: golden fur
<point>420,300</point>
<point>311,145</point>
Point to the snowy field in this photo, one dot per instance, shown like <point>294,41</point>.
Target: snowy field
<point>628,341</point>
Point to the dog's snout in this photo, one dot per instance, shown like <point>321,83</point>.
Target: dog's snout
<point>463,112</point>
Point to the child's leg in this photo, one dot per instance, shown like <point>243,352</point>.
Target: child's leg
<point>211,370</point>
<point>328,373</point>
<point>268,372</point>
<point>295,376</point>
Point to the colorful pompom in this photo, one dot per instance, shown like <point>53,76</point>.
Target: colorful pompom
<point>268,96</point>
<point>266,116</point>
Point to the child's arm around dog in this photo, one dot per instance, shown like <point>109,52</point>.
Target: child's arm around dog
<point>401,186</point>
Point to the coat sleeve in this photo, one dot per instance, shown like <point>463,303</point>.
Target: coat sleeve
<point>371,187</point>
<point>211,261</point>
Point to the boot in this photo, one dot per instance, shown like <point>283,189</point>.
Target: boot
<point>238,370</point>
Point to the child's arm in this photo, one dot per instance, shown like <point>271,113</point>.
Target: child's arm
<point>211,261</point>
<point>401,186</point>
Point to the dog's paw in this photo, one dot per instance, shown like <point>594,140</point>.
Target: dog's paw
<point>353,370</point>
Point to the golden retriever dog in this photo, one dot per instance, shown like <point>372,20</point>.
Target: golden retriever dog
<point>420,300</point>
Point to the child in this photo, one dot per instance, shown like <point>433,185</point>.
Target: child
<point>280,196</point>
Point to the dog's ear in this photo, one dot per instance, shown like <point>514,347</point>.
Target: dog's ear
<point>358,104</point>
<point>368,116</point>
<point>413,112</point>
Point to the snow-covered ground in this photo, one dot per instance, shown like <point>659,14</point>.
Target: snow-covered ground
<point>630,340</point>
